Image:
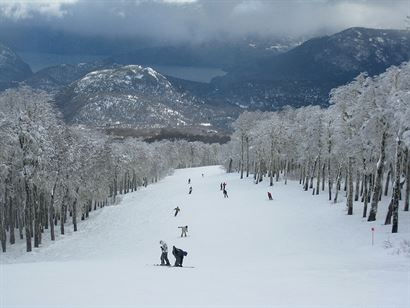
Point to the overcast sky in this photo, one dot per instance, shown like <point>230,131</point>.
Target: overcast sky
<point>198,20</point>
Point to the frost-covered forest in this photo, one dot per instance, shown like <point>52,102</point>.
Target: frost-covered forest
<point>358,146</point>
<point>53,175</point>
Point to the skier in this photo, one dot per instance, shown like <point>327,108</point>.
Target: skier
<point>222,186</point>
<point>179,255</point>
<point>164,254</point>
<point>270,196</point>
<point>190,190</point>
<point>202,175</point>
<point>184,230</point>
<point>177,209</point>
<point>225,193</point>
<point>189,181</point>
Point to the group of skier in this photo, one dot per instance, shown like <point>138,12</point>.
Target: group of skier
<point>179,255</point>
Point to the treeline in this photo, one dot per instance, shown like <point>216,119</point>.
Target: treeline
<point>52,174</point>
<point>359,144</point>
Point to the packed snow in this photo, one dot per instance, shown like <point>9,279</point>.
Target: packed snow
<point>298,250</point>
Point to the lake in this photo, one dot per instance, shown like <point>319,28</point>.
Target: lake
<point>38,61</point>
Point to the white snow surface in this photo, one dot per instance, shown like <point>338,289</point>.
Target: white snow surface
<point>298,250</point>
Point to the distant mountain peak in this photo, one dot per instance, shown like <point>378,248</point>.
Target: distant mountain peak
<point>130,96</point>
<point>12,68</point>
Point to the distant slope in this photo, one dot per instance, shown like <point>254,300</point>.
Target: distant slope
<point>305,74</point>
<point>133,96</point>
<point>12,68</point>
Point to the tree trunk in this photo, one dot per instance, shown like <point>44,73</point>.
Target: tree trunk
<point>3,237</point>
<point>387,221</point>
<point>313,173</point>
<point>37,231</point>
<point>377,181</point>
<point>242,162</point>
<point>247,156</point>
<point>306,184</point>
<point>366,200</point>
<point>12,220</point>
<point>75,215</point>
<point>396,194</point>
<point>323,176</point>
<point>318,176</point>
<point>27,218</point>
<point>350,188</point>
<point>356,196</point>
<point>338,178</point>
<point>346,180</point>
<point>20,223</point>
<point>62,213</point>
<point>230,165</point>
<point>407,169</point>
<point>386,186</point>
<point>329,179</point>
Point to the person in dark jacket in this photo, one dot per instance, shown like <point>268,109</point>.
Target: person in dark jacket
<point>190,190</point>
<point>177,209</point>
<point>164,254</point>
<point>179,255</point>
<point>270,196</point>
<point>225,193</point>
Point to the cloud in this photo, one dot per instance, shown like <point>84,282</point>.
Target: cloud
<point>23,9</point>
<point>199,20</point>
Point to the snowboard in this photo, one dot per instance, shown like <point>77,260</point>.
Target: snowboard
<point>173,266</point>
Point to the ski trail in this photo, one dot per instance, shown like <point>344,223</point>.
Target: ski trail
<point>298,249</point>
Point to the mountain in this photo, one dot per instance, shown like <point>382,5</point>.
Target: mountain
<point>134,96</point>
<point>41,44</point>
<point>56,77</point>
<point>305,74</point>
<point>12,68</point>
<point>224,54</point>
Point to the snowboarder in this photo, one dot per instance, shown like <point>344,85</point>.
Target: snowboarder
<point>270,196</point>
<point>190,190</point>
<point>184,230</point>
<point>177,209</point>
<point>179,255</point>
<point>189,181</point>
<point>164,254</point>
<point>225,193</point>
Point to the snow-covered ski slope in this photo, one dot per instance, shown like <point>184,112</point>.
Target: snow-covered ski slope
<point>298,250</point>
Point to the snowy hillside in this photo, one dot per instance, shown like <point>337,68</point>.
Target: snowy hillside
<point>298,250</point>
<point>130,95</point>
